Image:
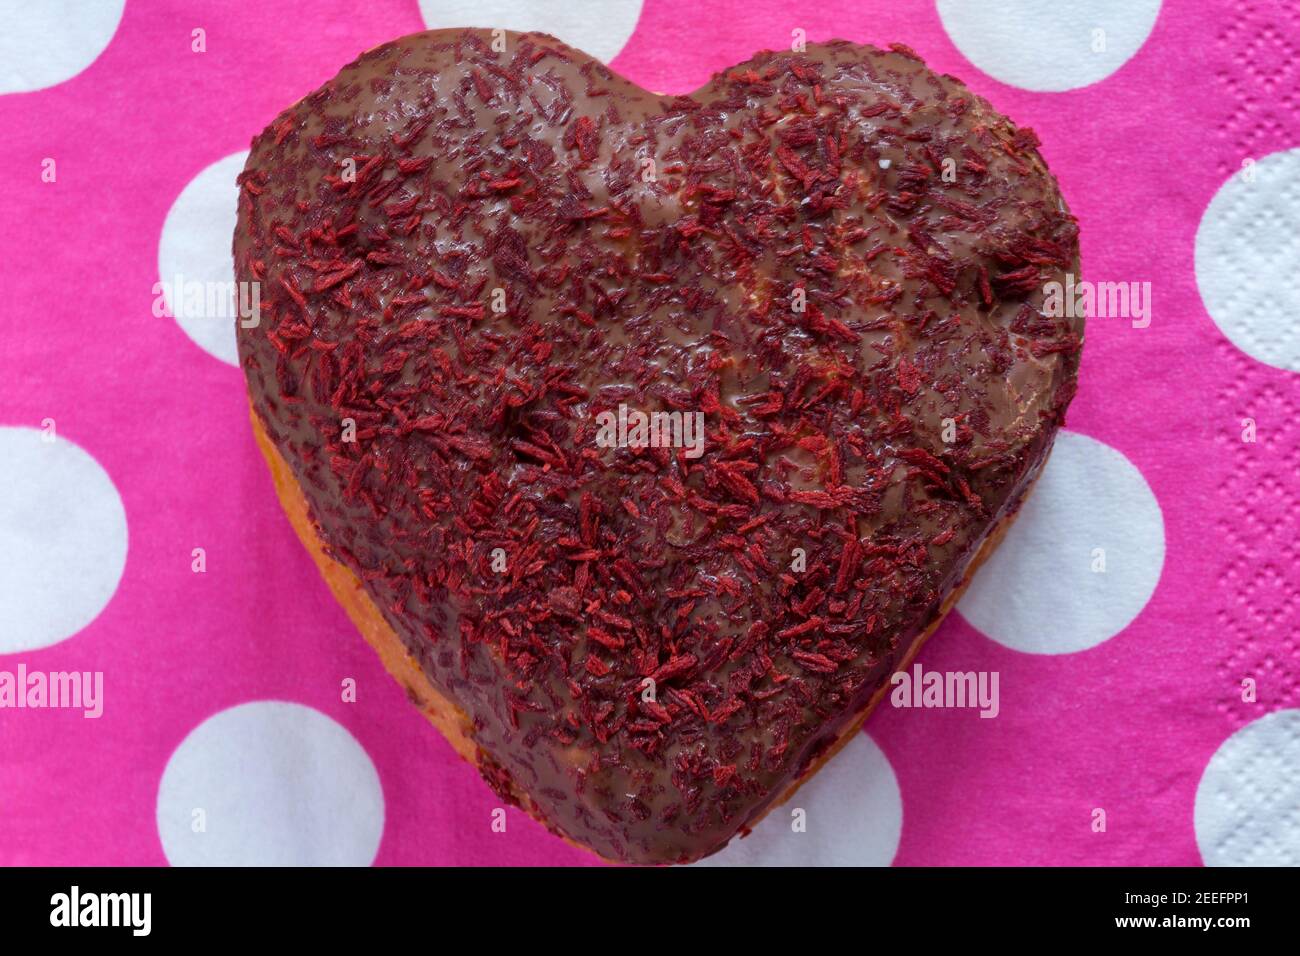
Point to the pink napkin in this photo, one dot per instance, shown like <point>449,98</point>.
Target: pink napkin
<point>1141,619</point>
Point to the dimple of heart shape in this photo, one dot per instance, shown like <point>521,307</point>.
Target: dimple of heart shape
<point>471,246</point>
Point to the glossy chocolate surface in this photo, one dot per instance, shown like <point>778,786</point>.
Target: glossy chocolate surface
<point>836,256</point>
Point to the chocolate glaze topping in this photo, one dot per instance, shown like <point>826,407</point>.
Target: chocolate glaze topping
<point>466,253</point>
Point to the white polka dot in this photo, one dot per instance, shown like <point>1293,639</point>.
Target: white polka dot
<point>270,783</point>
<point>1048,45</point>
<point>1248,801</point>
<point>195,264</point>
<point>853,815</point>
<point>45,43</point>
<point>1247,251</point>
<point>601,34</point>
<point>1041,592</point>
<point>62,539</point>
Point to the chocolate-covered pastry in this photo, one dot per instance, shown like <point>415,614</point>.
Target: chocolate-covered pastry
<point>477,250</point>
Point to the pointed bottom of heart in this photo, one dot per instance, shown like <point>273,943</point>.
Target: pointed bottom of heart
<point>451,721</point>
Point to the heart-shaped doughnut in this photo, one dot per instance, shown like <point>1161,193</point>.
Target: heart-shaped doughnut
<point>646,436</point>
